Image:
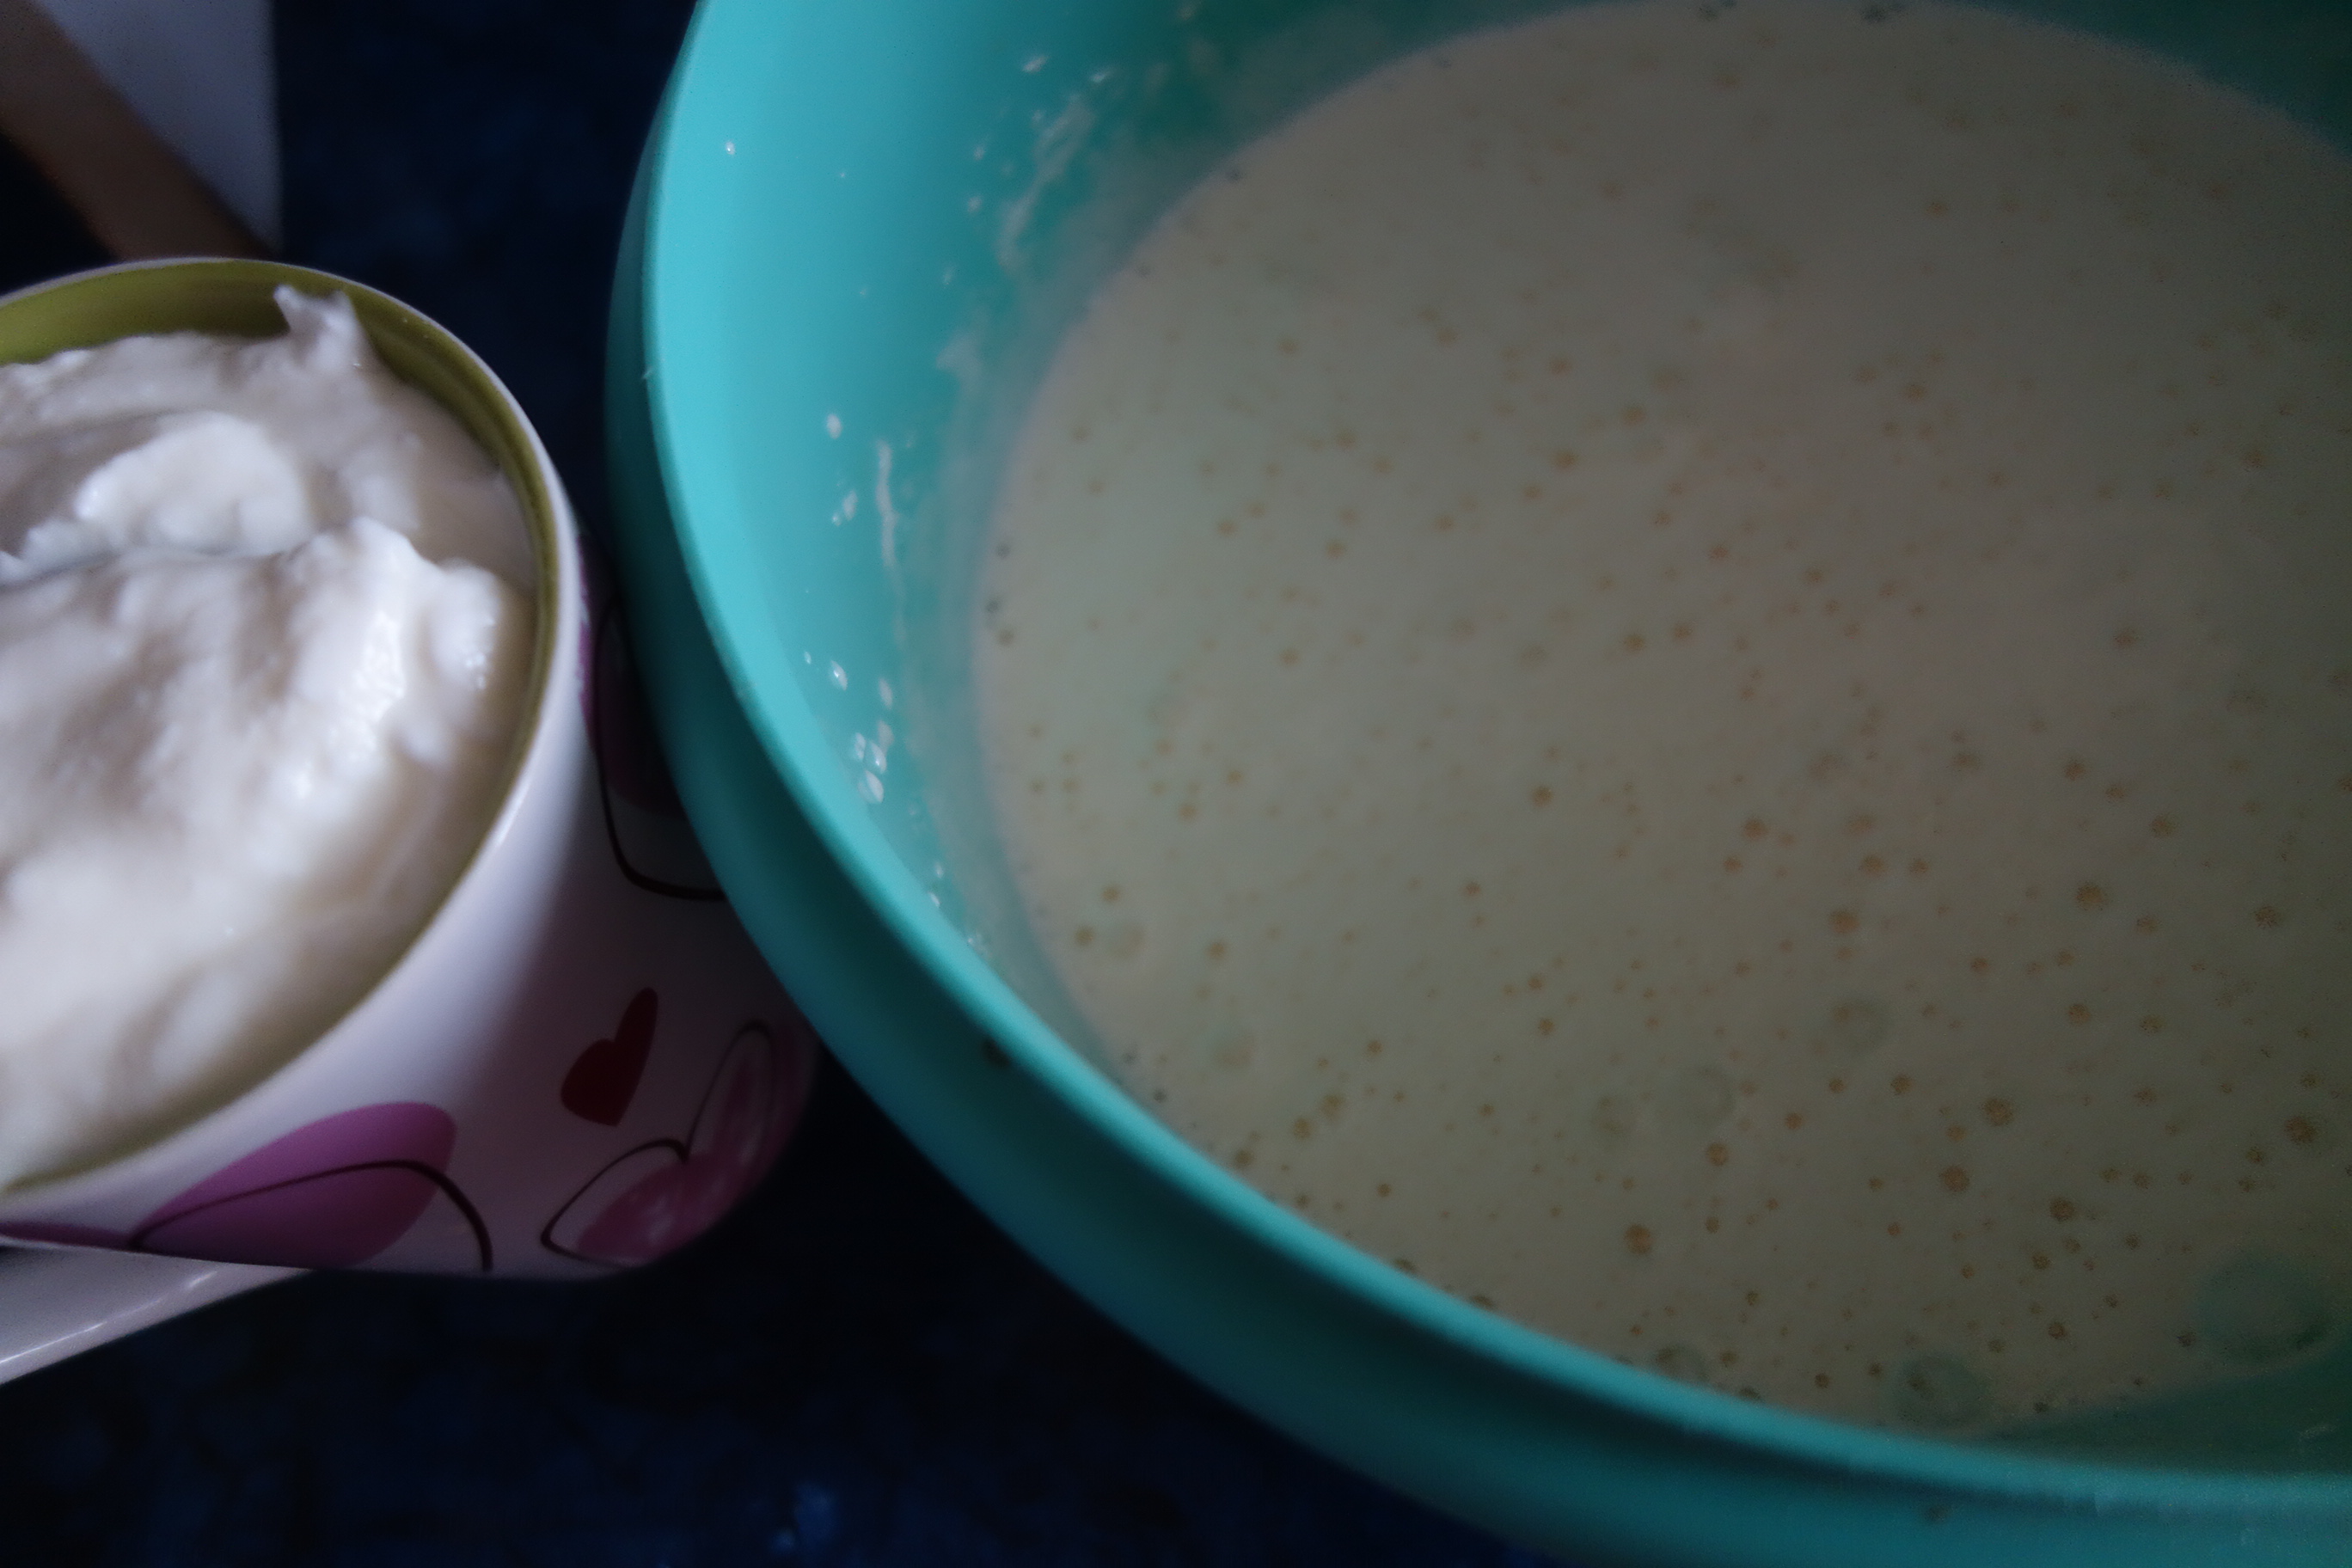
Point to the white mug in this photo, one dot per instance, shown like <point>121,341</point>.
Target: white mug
<point>581,1063</point>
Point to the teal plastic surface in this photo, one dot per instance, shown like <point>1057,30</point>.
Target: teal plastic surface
<point>860,230</point>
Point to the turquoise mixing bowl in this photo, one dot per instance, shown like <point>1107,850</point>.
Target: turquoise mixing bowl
<point>859,230</point>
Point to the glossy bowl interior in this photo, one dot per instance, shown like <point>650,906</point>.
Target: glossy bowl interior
<point>859,232</point>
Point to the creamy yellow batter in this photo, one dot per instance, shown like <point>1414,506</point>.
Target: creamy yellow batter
<point>1692,673</point>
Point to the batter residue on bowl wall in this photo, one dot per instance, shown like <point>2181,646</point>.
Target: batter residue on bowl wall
<point>1685,669</point>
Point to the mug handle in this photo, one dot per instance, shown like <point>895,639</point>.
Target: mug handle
<point>55,1304</point>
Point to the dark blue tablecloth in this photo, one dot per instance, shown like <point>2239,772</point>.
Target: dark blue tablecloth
<point>856,1369</point>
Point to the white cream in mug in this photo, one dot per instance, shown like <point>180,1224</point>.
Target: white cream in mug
<point>264,631</point>
<point>1688,668</point>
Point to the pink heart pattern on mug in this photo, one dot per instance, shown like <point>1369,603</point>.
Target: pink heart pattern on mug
<point>330,1195</point>
<point>605,1079</point>
<point>652,842</point>
<point>664,1193</point>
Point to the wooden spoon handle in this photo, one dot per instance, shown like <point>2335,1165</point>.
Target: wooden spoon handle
<point>133,190</point>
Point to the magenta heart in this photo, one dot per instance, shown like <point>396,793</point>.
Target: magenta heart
<point>330,1195</point>
<point>336,1219</point>
<point>662,1195</point>
<point>604,1080</point>
<point>674,1203</point>
<point>663,1212</point>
